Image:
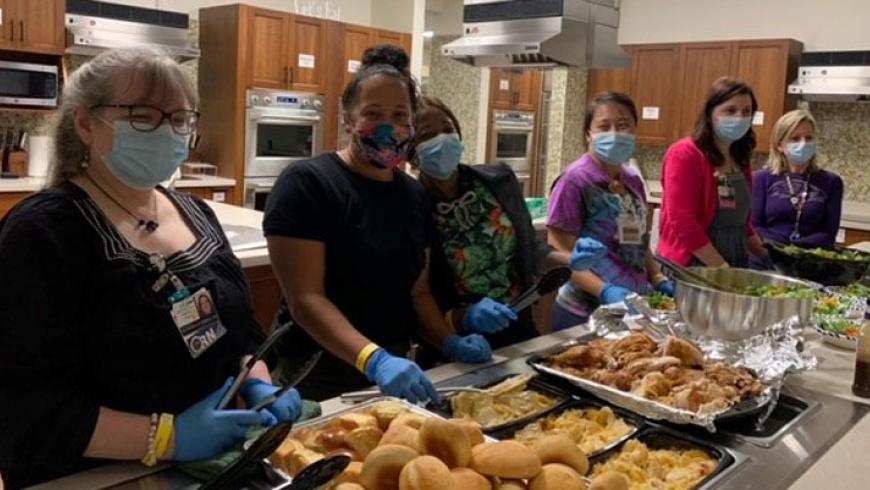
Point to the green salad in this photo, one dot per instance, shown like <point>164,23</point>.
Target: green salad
<point>830,305</point>
<point>779,291</point>
<point>845,255</point>
<point>857,290</point>
<point>661,301</point>
<point>842,327</point>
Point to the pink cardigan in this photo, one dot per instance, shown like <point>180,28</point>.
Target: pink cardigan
<point>690,201</point>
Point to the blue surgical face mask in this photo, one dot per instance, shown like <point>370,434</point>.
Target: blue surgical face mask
<point>439,156</point>
<point>143,160</point>
<point>613,148</point>
<point>800,152</point>
<point>732,128</point>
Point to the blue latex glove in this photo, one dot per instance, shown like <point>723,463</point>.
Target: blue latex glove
<point>203,432</point>
<point>666,287</point>
<point>286,408</point>
<point>488,316</point>
<point>613,294</point>
<point>587,251</point>
<point>471,349</point>
<point>400,378</point>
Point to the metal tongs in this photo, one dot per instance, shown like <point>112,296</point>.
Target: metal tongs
<point>246,368</point>
<point>361,396</point>
<point>688,275</point>
<point>550,282</point>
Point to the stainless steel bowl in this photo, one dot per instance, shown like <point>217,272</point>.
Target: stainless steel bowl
<point>732,316</point>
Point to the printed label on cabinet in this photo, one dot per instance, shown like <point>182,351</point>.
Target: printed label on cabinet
<point>353,66</point>
<point>306,60</point>
<point>651,113</point>
<point>504,84</point>
<point>758,118</point>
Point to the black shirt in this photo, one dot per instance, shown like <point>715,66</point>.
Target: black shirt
<point>81,327</point>
<point>375,234</point>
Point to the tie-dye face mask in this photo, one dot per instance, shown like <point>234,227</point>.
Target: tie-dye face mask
<point>381,146</point>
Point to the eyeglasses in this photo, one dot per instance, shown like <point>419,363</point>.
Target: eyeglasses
<point>146,118</point>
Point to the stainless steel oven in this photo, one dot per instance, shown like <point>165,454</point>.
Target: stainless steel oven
<point>281,128</point>
<point>28,84</point>
<point>513,143</point>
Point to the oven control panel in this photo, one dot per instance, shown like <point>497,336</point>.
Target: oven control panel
<point>514,118</point>
<point>284,100</point>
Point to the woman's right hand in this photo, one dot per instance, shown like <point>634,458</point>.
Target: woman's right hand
<point>400,377</point>
<point>587,251</point>
<point>202,431</point>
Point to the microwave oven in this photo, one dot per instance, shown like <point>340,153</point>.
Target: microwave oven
<point>28,84</point>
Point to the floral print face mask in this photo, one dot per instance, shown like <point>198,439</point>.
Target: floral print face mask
<point>381,147</point>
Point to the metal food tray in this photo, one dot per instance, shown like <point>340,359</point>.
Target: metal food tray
<point>362,407</point>
<point>579,404</point>
<point>537,384</point>
<point>664,438</point>
<point>642,406</point>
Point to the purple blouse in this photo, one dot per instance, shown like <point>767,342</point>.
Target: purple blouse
<point>774,215</point>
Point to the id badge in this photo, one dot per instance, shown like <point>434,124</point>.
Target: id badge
<point>630,230</point>
<point>727,199</point>
<point>197,320</point>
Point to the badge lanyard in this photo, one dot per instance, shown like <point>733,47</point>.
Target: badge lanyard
<point>630,226</point>
<point>798,202</point>
<point>195,315</point>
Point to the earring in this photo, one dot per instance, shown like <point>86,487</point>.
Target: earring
<point>86,160</point>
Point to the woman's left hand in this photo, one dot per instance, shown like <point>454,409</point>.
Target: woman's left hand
<point>471,349</point>
<point>286,408</point>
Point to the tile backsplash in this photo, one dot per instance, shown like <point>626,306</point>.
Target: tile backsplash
<point>844,147</point>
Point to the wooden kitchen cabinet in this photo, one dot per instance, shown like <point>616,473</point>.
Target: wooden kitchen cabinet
<point>218,194</point>
<point>8,200</point>
<point>768,66</point>
<point>308,60</point>
<point>265,293</point>
<point>356,40</point>
<point>33,26</point>
<point>515,89</point>
<point>612,80</point>
<point>701,64</point>
<point>268,48</point>
<point>655,88</point>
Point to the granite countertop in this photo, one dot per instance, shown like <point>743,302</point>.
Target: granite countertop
<point>238,216</point>
<point>33,184</point>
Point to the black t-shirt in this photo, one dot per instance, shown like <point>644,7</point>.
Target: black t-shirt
<point>375,234</point>
<point>81,327</point>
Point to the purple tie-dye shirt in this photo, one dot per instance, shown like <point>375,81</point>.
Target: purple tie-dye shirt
<point>582,204</point>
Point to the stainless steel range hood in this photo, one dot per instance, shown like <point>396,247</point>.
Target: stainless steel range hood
<point>93,27</point>
<point>535,33</point>
<point>833,76</point>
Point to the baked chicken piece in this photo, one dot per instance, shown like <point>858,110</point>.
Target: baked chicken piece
<point>738,377</point>
<point>652,386</point>
<point>632,347</point>
<point>585,356</point>
<point>640,367</point>
<point>687,352</point>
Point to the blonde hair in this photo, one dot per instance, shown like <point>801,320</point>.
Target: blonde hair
<point>777,161</point>
<point>94,83</point>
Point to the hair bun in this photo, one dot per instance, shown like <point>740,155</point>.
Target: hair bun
<point>386,54</point>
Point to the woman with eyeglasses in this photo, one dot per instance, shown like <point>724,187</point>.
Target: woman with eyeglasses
<point>104,354</point>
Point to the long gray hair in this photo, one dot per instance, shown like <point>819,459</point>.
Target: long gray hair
<point>95,82</point>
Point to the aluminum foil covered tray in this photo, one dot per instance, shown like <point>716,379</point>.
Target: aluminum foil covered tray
<point>769,357</point>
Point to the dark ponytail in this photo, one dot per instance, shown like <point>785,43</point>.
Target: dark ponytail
<point>387,60</point>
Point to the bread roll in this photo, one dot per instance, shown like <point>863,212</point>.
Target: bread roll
<point>381,469</point>
<point>402,435</point>
<point>349,486</point>
<point>281,456</point>
<point>446,441</point>
<point>300,460</point>
<point>472,430</point>
<point>559,448</point>
<point>364,439</point>
<point>345,451</point>
<point>409,419</point>
<point>468,479</point>
<point>511,485</point>
<point>386,412</point>
<point>506,459</point>
<point>351,421</point>
<point>425,473</point>
<point>609,480</point>
<point>350,474</point>
<point>557,476</point>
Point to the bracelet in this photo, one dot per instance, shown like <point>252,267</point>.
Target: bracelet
<point>448,317</point>
<point>362,359</point>
<point>150,458</point>
<point>165,431</point>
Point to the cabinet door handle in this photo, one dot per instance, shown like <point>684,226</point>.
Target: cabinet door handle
<point>12,30</point>
<point>290,71</point>
<point>21,31</point>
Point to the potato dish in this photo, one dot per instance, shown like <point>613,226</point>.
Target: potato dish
<point>590,428</point>
<point>505,402</point>
<point>655,469</point>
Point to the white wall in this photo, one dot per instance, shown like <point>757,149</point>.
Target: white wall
<point>353,11</point>
<point>393,15</point>
<point>444,17</point>
<point>822,25</point>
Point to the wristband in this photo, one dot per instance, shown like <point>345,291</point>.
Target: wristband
<point>448,317</point>
<point>362,359</point>
<point>165,431</point>
<point>150,458</point>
